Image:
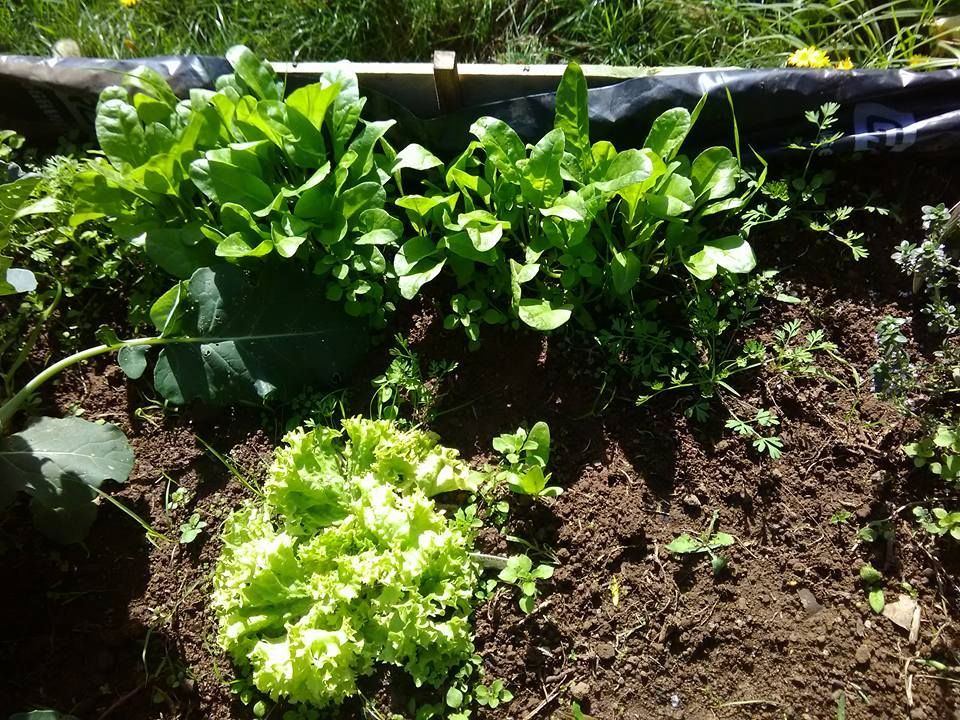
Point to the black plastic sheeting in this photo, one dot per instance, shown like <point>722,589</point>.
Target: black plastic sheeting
<point>880,110</point>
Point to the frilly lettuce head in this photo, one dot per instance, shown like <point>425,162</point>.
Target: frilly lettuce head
<point>346,562</point>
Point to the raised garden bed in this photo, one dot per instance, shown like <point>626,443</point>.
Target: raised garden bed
<point>627,626</point>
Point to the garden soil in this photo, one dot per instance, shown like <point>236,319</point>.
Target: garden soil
<point>119,627</point>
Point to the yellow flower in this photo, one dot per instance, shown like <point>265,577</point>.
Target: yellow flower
<point>809,57</point>
<point>916,60</point>
<point>845,64</point>
<point>128,3</point>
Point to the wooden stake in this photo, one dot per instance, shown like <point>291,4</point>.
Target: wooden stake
<point>447,81</point>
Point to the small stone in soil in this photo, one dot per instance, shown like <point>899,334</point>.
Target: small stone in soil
<point>809,601</point>
<point>692,503</point>
<point>580,690</point>
<point>606,651</point>
<point>863,655</point>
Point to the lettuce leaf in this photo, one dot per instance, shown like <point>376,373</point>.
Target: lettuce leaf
<point>346,562</point>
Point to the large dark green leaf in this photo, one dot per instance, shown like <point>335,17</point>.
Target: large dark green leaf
<point>180,250</point>
<point>269,334</point>
<point>58,461</point>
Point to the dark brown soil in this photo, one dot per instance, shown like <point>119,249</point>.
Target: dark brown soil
<point>119,628</point>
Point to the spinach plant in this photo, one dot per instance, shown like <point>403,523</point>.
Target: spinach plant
<point>526,455</point>
<point>564,229</point>
<point>243,174</point>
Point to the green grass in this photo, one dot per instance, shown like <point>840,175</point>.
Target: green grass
<point>647,32</point>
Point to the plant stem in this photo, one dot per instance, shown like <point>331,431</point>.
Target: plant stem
<point>9,408</point>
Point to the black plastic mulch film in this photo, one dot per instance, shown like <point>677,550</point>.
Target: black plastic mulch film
<point>880,110</point>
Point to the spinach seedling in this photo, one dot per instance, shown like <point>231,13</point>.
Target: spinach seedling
<point>526,454</point>
<point>190,530</point>
<point>873,586</point>
<point>707,543</point>
<point>520,572</point>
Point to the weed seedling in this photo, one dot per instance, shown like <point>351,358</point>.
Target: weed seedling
<point>938,521</point>
<point>403,385</point>
<point>873,586</point>
<point>492,695</point>
<point>771,444</point>
<point>520,572</point>
<point>877,530</point>
<point>578,714</point>
<point>706,543</point>
<point>191,529</point>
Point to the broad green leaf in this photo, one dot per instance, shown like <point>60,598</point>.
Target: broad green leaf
<point>454,697</point>
<point>166,312</point>
<point>463,245</point>
<point>732,253</point>
<point>57,461</point>
<point>485,240</point>
<point>179,251</point>
<point>239,245</point>
<point>540,180</point>
<point>255,331</point>
<point>625,269</point>
<point>364,146</point>
<point>361,197</point>
<point>571,115</point>
<point>540,435</point>
<point>14,281</point>
<point>132,359</point>
<point>542,314</point>
<point>120,133</point>
<point>876,600</point>
<point>685,544</point>
<point>570,207</point>
<point>225,183</point>
<point>149,81</point>
<point>627,168</point>
<point>43,206</point>
<point>313,101</point>
<point>14,196</point>
<point>520,274</point>
<point>346,107</point>
<point>419,275</point>
<point>502,145</point>
<point>381,236</point>
<point>255,73</point>
<point>675,198</point>
<point>870,575</point>
<point>542,572</point>
<point>415,157</point>
<point>720,539</point>
<point>411,252</point>
<point>714,173</point>
<point>422,205</point>
<point>668,132</point>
